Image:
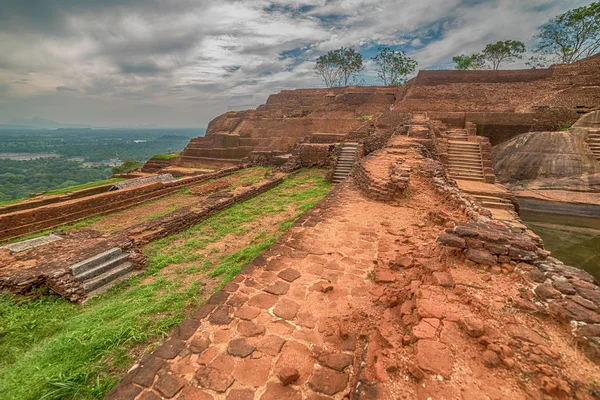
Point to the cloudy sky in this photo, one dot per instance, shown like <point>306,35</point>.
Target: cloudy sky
<point>179,63</point>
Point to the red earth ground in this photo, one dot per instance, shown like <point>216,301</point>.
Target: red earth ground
<point>357,301</point>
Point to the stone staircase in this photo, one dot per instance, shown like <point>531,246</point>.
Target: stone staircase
<point>101,271</point>
<point>593,141</point>
<point>494,202</point>
<point>345,162</point>
<point>464,157</point>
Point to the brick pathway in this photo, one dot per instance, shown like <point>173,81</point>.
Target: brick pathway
<point>294,317</point>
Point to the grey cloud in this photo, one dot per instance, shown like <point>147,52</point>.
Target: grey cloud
<point>65,89</point>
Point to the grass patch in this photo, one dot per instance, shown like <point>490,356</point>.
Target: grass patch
<point>165,156</point>
<point>52,349</point>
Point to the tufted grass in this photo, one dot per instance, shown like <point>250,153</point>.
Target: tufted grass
<point>52,349</point>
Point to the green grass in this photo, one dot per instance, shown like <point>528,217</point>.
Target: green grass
<point>69,189</point>
<point>165,156</point>
<point>52,349</point>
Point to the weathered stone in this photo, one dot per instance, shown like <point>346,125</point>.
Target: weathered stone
<point>211,378</point>
<point>590,294</point>
<point>278,288</point>
<point>240,394</point>
<point>187,328</point>
<point>147,372</point>
<point>589,330</point>
<point>496,248</point>
<point>149,396</point>
<point>249,328</point>
<point>270,345</point>
<point>263,300</point>
<point>416,372</point>
<point>193,393</point>
<point>491,359</point>
<point>547,292</point>
<point>328,382</point>
<point>450,240</point>
<point>289,274</point>
<point>218,298</point>
<point>199,344</point>
<point>443,279</point>
<point>522,255</point>
<point>252,372</point>
<point>169,349</point>
<point>286,309</point>
<point>169,385</point>
<point>473,326</point>
<point>434,357</point>
<point>570,311</point>
<point>337,361</point>
<point>564,287</point>
<point>240,348</point>
<point>463,231</point>
<point>220,316</point>
<point>123,392</point>
<point>536,275</point>
<point>585,303</point>
<point>288,375</point>
<point>247,312</point>
<point>483,257</point>
<point>277,391</point>
<point>384,276</point>
<point>424,330</point>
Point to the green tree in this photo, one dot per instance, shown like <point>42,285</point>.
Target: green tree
<point>339,67</point>
<point>465,62</point>
<point>393,66</point>
<point>499,52</point>
<point>492,56</point>
<point>573,35</point>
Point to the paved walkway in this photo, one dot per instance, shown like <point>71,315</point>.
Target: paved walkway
<point>357,301</point>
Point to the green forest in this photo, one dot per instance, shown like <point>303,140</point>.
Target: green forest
<point>75,147</point>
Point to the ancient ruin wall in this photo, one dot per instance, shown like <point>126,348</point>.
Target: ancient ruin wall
<point>49,216</point>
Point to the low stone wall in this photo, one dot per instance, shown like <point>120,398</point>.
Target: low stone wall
<point>382,186</point>
<point>155,164</point>
<point>45,200</point>
<point>182,219</point>
<point>46,217</point>
<point>314,155</point>
<point>552,288</point>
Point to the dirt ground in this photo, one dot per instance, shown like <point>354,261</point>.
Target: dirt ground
<point>358,301</point>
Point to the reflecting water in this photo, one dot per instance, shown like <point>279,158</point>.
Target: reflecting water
<point>573,240</point>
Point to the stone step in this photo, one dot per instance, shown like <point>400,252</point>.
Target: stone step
<point>491,198</point>
<point>473,171</point>
<point>493,204</point>
<point>463,156</point>
<point>102,268</point>
<point>461,143</point>
<point>466,162</point>
<point>468,178</point>
<point>104,288</point>
<point>466,174</point>
<point>79,268</point>
<point>456,152</point>
<point>107,277</point>
<point>465,147</point>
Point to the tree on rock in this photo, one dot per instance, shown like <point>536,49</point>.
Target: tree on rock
<point>339,67</point>
<point>573,35</point>
<point>465,62</point>
<point>499,52</point>
<point>492,56</point>
<point>393,67</point>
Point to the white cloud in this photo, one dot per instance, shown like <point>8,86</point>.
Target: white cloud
<point>127,59</point>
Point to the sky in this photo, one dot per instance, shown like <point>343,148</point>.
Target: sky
<point>180,63</point>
